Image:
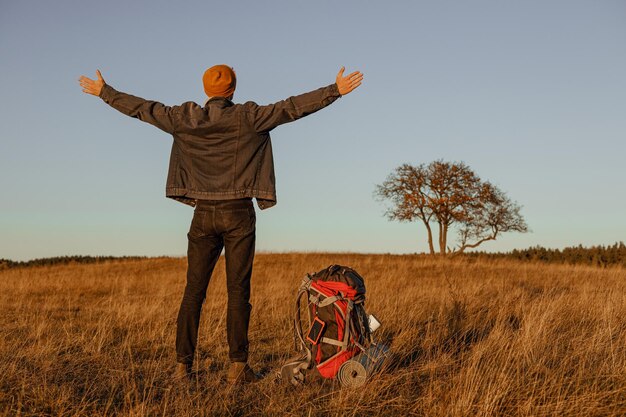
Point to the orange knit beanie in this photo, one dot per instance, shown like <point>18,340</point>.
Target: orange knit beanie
<point>219,81</point>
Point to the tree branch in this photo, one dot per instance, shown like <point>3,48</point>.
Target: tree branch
<point>473,245</point>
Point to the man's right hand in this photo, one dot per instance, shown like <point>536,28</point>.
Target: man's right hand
<point>90,86</point>
<point>348,83</point>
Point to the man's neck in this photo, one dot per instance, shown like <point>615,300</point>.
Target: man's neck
<point>211,98</point>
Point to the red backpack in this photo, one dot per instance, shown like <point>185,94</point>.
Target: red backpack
<point>337,327</point>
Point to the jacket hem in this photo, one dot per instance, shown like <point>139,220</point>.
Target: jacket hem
<point>265,199</point>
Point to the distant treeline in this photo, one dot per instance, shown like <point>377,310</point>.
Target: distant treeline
<point>595,255</point>
<point>63,260</point>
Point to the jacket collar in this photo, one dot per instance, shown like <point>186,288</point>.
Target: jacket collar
<point>219,101</point>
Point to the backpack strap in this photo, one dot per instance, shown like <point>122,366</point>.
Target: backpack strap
<point>305,285</point>
<point>334,342</point>
<point>347,323</point>
<point>314,299</point>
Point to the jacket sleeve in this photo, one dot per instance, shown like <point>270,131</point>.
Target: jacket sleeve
<point>268,117</point>
<point>157,114</point>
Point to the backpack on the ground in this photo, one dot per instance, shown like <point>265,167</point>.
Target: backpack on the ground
<point>337,332</point>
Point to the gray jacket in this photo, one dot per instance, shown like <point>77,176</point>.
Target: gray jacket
<point>221,151</point>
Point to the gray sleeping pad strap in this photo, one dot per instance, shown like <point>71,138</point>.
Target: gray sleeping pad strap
<point>292,371</point>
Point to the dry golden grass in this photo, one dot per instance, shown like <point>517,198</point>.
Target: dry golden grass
<point>468,338</point>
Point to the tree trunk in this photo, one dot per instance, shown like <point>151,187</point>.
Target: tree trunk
<point>442,249</point>
<point>444,240</point>
<point>431,248</point>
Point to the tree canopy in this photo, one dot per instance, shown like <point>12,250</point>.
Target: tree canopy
<point>449,195</point>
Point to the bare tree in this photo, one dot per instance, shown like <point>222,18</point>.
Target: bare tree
<point>450,195</point>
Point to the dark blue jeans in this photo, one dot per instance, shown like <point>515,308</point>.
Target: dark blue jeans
<point>228,224</point>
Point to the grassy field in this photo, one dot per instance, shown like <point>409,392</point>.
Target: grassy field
<point>468,337</point>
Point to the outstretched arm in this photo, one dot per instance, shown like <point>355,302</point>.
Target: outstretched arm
<point>268,117</point>
<point>153,112</point>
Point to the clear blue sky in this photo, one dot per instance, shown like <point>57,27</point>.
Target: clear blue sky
<point>530,94</point>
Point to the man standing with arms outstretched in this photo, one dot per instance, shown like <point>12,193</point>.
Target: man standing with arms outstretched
<point>221,158</point>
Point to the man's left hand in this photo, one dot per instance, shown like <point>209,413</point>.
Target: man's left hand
<point>348,83</point>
